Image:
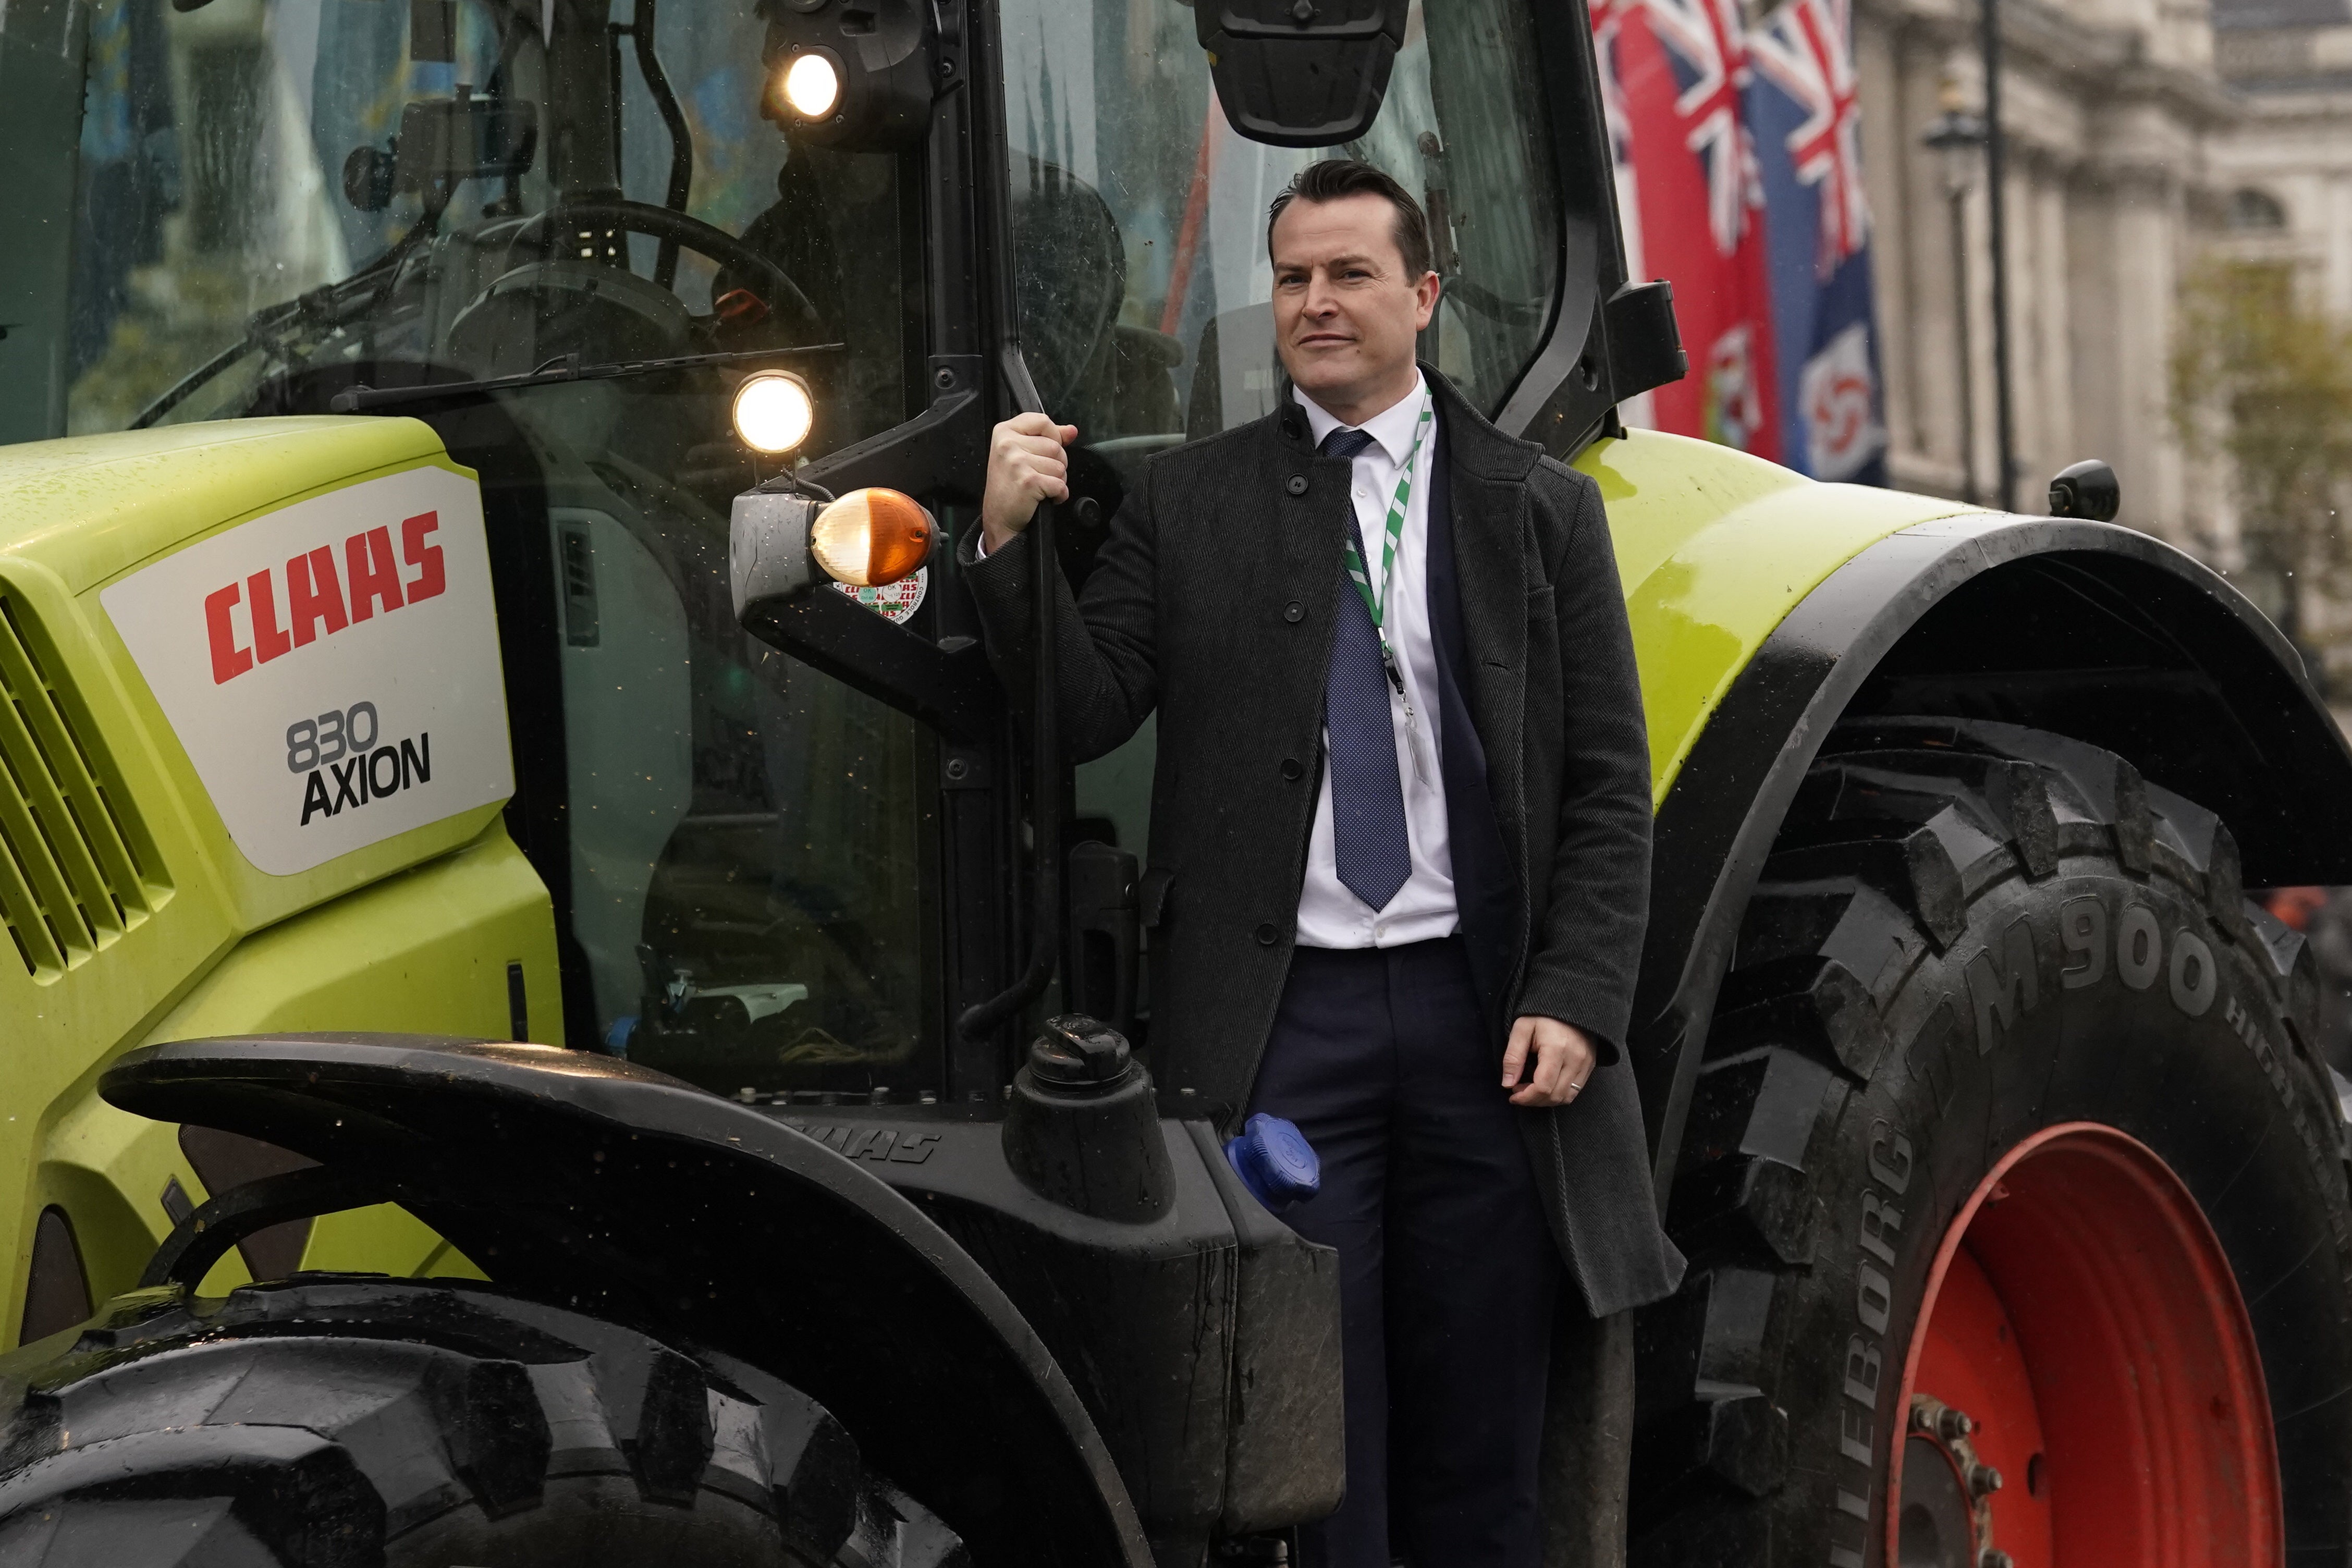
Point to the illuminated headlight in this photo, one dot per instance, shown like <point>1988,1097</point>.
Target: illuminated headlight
<point>812,86</point>
<point>774,412</point>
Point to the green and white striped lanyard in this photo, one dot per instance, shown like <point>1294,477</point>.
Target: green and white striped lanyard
<point>1392,532</point>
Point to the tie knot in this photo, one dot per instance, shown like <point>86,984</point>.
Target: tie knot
<point>1344,443</point>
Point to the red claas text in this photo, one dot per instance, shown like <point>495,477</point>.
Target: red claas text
<point>318,598</point>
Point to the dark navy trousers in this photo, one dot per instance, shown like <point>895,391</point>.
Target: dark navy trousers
<point>1447,1272</point>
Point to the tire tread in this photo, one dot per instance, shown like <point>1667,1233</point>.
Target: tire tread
<point>351,1421</point>
<point>1901,829</point>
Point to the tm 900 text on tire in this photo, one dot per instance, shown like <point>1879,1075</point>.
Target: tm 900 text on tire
<point>1969,935</point>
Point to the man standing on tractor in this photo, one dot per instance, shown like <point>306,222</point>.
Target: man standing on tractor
<point>1400,846</point>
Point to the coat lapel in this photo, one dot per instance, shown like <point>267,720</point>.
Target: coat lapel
<point>1491,566</point>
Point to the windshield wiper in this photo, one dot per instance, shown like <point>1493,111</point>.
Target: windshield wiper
<point>329,306</point>
<point>361,398</point>
<point>321,304</point>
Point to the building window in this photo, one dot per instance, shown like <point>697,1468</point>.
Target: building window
<point>2253,209</point>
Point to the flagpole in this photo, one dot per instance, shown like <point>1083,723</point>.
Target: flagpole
<point>2005,432</point>
<point>1959,199</point>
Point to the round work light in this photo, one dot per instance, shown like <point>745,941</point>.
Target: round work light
<point>773,411</point>
<point>812,85</point>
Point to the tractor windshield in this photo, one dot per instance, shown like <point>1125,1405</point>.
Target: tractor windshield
<point>273,195</point>
<point>234,207</point>
<point>1139,215</point>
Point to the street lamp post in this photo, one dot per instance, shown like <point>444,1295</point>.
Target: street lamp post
<point>1997,224</point>
<point>1959,137</point>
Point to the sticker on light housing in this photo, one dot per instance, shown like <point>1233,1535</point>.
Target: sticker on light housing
<point>894,602</point>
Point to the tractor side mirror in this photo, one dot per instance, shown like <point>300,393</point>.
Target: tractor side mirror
<point>2088,489</point>
<point>1301,73</point>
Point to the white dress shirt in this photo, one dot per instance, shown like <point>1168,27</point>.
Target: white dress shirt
<point>1330,915</point>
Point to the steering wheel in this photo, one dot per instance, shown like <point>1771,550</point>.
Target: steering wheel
<point>780,292</point>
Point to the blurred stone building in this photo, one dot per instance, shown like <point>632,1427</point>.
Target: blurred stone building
<point>2116,120</point>
<point>2148,140</point>
<point>2284,163</point>
<point>2286,158</point>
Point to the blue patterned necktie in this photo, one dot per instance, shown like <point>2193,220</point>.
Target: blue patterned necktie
<point>1368,830</point>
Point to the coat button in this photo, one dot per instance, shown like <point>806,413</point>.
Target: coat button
<point>1266,934</point>
<point>1295,484</point>
<point>1293,612</point>
<point>1290,768</point>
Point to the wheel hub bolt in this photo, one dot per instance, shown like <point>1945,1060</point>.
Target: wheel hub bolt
<point>1983,1479</point>
<point>1954,1424</point>
<point>1994,1557</point>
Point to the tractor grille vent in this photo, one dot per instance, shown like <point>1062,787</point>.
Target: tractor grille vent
<point>77,870</point>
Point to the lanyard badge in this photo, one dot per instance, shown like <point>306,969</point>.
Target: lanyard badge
<point>1373,603</point>
<point>1390,534</point>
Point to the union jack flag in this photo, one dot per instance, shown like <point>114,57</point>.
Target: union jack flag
<point>1803,50</point>
<point>1710,45</point>
<point>1802,109</point>
<point>1690,201</point>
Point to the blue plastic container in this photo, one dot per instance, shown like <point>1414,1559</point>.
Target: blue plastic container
<point>1275,1162</point>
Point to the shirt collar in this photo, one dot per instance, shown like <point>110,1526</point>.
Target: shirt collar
<point>1392,427</point>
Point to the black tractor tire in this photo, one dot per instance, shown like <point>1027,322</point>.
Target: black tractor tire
<point>1846,1032</point>
<point>354,1421</point>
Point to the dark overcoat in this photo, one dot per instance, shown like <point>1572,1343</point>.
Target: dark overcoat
<point>1213,600</point>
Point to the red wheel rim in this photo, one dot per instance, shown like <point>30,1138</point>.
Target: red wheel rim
<point>2082,1312</point>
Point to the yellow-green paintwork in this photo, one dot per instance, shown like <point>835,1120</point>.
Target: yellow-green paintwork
<point>426,948</point>
<point>1714,548</point>
<point>82,512</point>
<point>412,933</point>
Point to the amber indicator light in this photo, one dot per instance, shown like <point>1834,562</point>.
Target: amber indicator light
<point>872,537</point>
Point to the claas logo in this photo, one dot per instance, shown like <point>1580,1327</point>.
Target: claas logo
<point>317,595</point>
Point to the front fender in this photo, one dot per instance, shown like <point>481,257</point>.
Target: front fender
<point>629,1195</point>
<point>1767,607</point>
<point>1714,548</point>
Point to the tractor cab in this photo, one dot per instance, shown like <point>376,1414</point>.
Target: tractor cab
<point>568,234</point>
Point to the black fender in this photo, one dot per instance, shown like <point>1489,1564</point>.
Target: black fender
<point>631,1195</point>
<point>2085,628</point>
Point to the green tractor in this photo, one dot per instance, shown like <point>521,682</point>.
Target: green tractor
<point>567,1016</point>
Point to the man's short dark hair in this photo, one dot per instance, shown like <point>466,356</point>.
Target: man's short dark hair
<point>1335,178</point>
